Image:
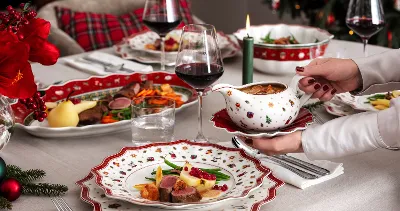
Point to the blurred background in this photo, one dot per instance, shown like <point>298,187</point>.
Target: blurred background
<point>229,15</point>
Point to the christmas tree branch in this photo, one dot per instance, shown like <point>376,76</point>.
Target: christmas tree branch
<point>24,176</point>
<point>312,106</point>
<point>44,189</point>
<point>5,204</point>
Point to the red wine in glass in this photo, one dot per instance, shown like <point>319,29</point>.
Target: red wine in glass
<point>199,75</point>
<point>365,27</point>
<point>160,24</point>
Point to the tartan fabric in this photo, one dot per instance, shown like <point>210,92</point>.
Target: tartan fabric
<point>95,31</point>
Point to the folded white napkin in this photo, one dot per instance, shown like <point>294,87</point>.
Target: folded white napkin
<point>98,69</point>
<point>289,177</point>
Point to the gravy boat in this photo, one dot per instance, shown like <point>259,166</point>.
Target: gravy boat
<point>262,112</point>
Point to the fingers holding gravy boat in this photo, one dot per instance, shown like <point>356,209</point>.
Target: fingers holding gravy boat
<point>318,88</point>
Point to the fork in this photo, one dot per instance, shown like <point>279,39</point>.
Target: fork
<point>318,119</point>
<point>60,204</point>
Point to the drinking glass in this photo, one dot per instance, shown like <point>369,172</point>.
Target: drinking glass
<point>162,16</point>
<point>153,119</point>
<point>365,18</point>
<point>199,62</point>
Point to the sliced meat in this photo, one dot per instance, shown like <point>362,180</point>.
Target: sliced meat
<point>165,188</point>
<point>119,103</point>
<point>93,115</point>
<point>148,85</point>
<point>189,194</point>
<point>128,91</point>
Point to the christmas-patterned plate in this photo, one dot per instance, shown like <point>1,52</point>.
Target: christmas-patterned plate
<point>126,52</point>
<point>357,102</point>
<point>120,172</point>
<point>96,88</point>
<point>338,108</point>
<point>221,120</point>
<point>95,196</point>
<point>139,40</point>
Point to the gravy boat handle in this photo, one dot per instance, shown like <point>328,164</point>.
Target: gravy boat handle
<point>294,84</point>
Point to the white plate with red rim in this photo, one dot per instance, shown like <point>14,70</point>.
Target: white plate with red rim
<point>96,87</point>
<point>357,102</point>
<point>221,120</point>
<point>139,40</point>
<point>95,196</point>
<point>118,173</point>
<point>126,52</point>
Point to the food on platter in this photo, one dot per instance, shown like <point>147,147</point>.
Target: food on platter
<point>170,44</point>
<point>281,41</point>
<point>72,112</point>
<point>382,101</point>
<point>66,113</point>
<point>263,89</point>
<point>183,184</point>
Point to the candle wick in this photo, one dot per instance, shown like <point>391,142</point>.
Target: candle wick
<point>248,35</point>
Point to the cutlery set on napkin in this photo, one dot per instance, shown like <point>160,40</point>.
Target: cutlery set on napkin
<point>295,169</point>
<point>99,63</point>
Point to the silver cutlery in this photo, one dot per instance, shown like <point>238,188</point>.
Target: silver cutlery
<point>318,119</point>
<point>60,204</point>
<point>108,67</point>
<point>276,160</point>
<point>303,164</point>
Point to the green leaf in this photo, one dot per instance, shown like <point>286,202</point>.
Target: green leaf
<point>27,5</point>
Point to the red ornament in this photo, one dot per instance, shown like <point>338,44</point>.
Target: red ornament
<point>330,20</point>
<point>276,4</point>
<point>10,189</point>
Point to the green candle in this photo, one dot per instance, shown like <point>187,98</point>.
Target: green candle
<point>248,42</point>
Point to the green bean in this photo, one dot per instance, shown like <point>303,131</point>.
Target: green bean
<point>152,179</point>
<point>210,169</point>
<point>120,110</point>
<point>165,172</point>
<point>172,165</point>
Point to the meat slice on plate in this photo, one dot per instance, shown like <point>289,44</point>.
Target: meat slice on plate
<point>93,115</point>
<point>128,91</point>
<point>189,194</point>
<point>165,188</point>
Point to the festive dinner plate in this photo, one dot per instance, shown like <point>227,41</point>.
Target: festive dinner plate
<point>357,102</point>
<point>338,108</point>
<point>126,52</point>
<point>95,196</point>
<point>96,88</point>
<point>118,173</point>
<point>139,40</point>
<point>221,120</point>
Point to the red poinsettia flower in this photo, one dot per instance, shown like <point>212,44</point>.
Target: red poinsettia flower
<point>35,35</point>
<point>16,77</point>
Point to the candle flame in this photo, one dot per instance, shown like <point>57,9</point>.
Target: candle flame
<point>248,24</point>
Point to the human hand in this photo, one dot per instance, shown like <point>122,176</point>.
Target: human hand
<point>328,76</point>
<point>277,145</point>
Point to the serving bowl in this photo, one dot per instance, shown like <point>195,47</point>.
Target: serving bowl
<point>283,59</point>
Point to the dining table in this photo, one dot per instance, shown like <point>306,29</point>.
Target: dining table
<point>371,181</point>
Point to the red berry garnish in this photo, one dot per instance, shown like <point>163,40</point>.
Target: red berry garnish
<point>34,106</point>
<point>22,5</point>
<point>44,114</point>
<point>43,108</point>
<point>22,101</point>
<point>37,95</point>
<point>9,8</point>
<point>186,168</point>
<point>40,119</point>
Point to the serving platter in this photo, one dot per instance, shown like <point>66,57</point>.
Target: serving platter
<point>94,195</point>
<point>221,120</point>
<point>96,88</point>
<point>338,108</point>
<point>118,173</point>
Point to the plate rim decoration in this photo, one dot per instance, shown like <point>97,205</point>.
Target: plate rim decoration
<point>22,113</point>
<point>264,171</point>
<point>84,192</point>
<point>269,134</point>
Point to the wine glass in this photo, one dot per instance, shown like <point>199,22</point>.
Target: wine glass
<point>365,18</point>
<point>199,62</point>
<point>162,16</point>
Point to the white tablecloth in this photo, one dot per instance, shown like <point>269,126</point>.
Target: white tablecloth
<point>371,180</point>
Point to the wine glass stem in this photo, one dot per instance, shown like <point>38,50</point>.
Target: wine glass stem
<point>162,53</point>
<point>365,43</point>
<point>200,136</point>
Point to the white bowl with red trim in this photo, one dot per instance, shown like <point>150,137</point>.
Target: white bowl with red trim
<point>283,59</point>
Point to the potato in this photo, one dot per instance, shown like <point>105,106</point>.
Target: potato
<point>383,102</point>
<point>380,107</point>
<point>159,176</point>
<point>396,93</point>
<point>141,186</point>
